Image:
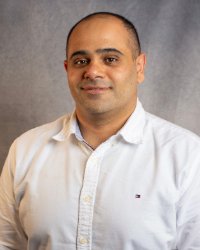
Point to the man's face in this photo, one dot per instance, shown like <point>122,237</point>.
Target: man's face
<point>102,71</point>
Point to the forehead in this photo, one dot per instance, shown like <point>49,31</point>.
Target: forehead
<point>98,32</point>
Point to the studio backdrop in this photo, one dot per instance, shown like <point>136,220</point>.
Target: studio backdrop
<point>33,86</point>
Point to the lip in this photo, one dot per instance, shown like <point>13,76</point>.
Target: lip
<point>94,90</point>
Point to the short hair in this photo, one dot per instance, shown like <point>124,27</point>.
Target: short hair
<point>127,24</point>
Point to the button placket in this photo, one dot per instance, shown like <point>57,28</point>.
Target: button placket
<point>87,197</point>
<point>87,203</point>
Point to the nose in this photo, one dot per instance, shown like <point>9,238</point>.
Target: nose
<point>93,71</point>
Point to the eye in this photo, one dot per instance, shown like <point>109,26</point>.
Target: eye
<point>80,62</point>
<point>111,60</point>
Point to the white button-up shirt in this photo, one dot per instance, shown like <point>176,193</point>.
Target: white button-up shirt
<point>139,190</point>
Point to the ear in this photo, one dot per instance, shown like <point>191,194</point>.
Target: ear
<point>65,65</point>
<point>140,66</point>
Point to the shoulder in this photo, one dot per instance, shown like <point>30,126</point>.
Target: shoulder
<point>174,146</point>
<point>38,136</point>
<point>31,146</point>
<point>167,132</point>
<point>47,130</point>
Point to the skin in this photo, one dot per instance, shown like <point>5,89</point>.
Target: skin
<point>103,74</point>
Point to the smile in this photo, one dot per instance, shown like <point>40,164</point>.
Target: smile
<point>94,90</point>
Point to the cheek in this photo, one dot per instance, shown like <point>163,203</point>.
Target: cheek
<point>72,83</point>
<point>74,75</point>
<point>71,77</point>
<point>126,85</point>
<point>125,77</point>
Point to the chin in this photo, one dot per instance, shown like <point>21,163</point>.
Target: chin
<point>97,109</point>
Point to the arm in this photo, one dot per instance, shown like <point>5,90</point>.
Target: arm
<point>188,210</point>
<point>11,233</point>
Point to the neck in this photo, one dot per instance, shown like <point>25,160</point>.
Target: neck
<point>97,128</point>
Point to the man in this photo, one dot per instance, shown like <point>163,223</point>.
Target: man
<point>110,175</point>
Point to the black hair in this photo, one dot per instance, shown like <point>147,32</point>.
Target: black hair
<point>128,25</point>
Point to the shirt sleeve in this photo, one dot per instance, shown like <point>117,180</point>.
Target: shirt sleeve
<point>11,233</point>
<point>188,210</point>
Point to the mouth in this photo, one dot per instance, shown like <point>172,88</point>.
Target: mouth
<point>95,90</point>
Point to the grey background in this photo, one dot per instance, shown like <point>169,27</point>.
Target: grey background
<point>33,88</point>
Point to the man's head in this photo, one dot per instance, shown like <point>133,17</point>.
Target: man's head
<point>104,65</point>
<point>134,38</point>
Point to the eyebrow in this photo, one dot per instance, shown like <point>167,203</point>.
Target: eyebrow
<point>107,50</point>
<point>98,51</point>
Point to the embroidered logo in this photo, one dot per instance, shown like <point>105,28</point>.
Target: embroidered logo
<point>137,196</point>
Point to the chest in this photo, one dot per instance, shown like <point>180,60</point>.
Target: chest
<point>121,195</point>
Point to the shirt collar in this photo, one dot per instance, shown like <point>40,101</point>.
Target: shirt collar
<point>131,132</point>
<point>70,126</point>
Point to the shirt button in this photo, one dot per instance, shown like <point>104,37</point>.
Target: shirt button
<point>87,198</point>
<point>83,240</point>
